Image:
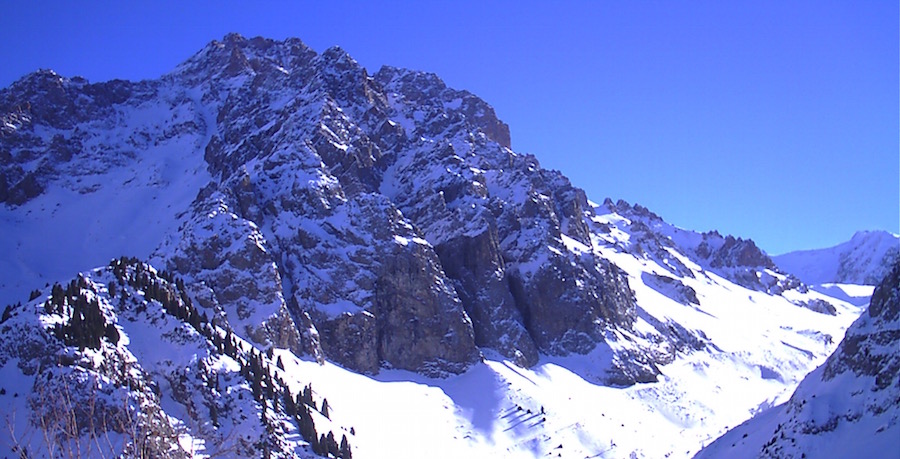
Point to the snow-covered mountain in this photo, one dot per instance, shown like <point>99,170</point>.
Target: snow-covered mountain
<point>120,361</point>
<point>864,260</point>
<point>845,408</point>
<point>298,221</point>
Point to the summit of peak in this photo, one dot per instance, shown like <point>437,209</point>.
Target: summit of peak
<point>233,38</point>
<point>338,59</point>
<point>873,234</point>
<point>236,55</point>
<point>257,44</point>
<point>338,56</point>
<point>40,76</point>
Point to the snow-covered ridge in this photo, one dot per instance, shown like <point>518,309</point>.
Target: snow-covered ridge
<point>864,259</point>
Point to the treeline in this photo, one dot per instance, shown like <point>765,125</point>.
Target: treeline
<point>267,387</point>
<point>84,325</point>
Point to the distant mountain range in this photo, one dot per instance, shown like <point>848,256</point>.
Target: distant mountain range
<point>865,259</point>
<point>270,252</point>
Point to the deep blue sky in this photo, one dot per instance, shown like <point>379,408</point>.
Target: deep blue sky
<point>776,121</point>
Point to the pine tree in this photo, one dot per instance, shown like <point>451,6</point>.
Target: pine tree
<point>257,386</point>
<point>321,447</point>
<point>345,449</point>
<point>307,397</point>
<point>288,401</point>
<point>332,445</point>
<point>214,414</point>
<point>230,349</point>
<point>194,319</point>
<point>112,334</point>
<point>325,409</point>
<point>306,425</point>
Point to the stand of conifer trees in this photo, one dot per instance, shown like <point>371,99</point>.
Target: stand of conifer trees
<point>266,388</point>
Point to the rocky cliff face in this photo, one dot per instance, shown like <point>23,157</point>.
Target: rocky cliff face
<point>869,348</point>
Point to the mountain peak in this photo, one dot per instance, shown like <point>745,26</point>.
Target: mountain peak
<point>420,79</point>
<point>336,62</point>
<point>425,89</point>
<point>39,75</point>
<point>233,38</point>
<point>873,234</point>
<point>234,56</point>
<point>42,81</point>
<point>337,54</point>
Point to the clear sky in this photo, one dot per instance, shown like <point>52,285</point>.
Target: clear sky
<point>776,121</point>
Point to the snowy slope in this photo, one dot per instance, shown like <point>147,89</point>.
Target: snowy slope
<point>115,193</point>
<point>864,260</point>
<point>495,408</point>
<point>848,407</point>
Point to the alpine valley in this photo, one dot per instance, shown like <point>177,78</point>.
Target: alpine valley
<point>270,252</point>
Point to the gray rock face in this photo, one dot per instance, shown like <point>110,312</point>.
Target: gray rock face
<point>476,265</point>
<point>672,288</point>
<point>228,255</point>
<point>565,317</point>
<point>352,340</point>
<point>735,252</point>
<point>421,322</point>
<point>388,136</point>
<point>820,306</point>
<point>870,345</point>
